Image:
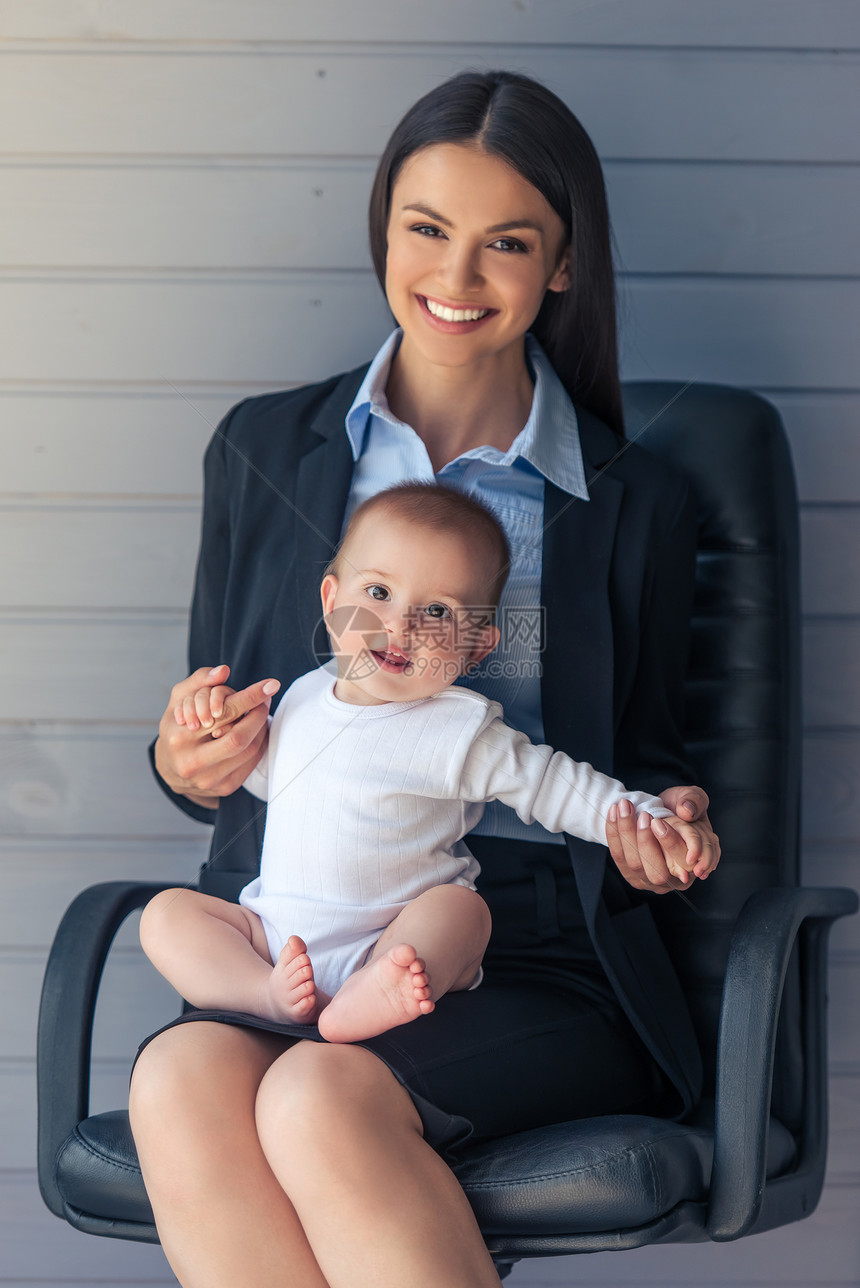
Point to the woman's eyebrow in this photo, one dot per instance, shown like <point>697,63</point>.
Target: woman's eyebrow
<point>508,226</point>
<point>421,209</point>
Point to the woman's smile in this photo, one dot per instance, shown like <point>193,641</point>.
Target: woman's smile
<point>454,318</point>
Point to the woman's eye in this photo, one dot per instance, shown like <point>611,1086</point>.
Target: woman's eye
<point>439,611</point>
<point>377,592</point>
<point>427,230</point>
<point>510,244</point>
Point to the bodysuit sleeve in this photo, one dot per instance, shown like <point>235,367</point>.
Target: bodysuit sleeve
<point>544,786</point>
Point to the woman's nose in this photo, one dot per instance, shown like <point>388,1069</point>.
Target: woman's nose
<point>458,273</point>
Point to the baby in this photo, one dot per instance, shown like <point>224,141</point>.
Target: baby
<point>377,766</point>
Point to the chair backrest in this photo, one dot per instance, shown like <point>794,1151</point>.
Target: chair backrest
<point>742,697</point>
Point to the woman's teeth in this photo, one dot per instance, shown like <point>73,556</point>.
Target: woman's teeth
<point>454,315</point>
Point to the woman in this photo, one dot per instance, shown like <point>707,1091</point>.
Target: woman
<point>271,1160</point>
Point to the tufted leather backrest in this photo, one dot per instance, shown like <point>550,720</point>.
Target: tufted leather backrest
<point>742,694</point>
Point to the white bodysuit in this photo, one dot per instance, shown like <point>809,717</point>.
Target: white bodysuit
<point>368,807</point>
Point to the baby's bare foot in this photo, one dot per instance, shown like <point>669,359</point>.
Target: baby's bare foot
<point>291,994</point>
<point>392,989</point>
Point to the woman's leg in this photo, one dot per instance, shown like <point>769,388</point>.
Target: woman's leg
<point>378,1205</point>
<point>222,1217</point>
<point>341,1137</point>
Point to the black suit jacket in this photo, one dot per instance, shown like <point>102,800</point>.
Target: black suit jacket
<point>617,591</point>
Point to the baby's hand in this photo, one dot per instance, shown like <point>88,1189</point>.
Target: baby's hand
<point>702,848</point>
<point>203,709</point>
<point>209,707</point>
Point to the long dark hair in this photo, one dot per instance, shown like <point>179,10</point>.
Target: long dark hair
<point>525,124</point>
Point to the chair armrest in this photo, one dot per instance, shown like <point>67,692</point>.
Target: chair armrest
<point>765,933</point>
<point>69,991</point>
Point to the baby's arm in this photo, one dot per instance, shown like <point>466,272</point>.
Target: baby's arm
<point>562,794</point>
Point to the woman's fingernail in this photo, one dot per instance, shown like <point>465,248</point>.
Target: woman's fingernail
<point>271,687</point>
<point>624,809</point>
<point>660,827</point>
<point>643,822</point>
<point>216,669</point>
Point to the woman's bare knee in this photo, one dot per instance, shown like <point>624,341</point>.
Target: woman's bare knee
<point>316,1094</point>
<point>195,1070</point>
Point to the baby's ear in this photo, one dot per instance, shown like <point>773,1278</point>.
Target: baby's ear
<point>489,637</point>
<point>328,590</point>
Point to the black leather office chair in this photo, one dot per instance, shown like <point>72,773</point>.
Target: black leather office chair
<point>749,944</point>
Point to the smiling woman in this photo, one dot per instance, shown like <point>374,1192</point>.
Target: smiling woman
<point>274,1157</point>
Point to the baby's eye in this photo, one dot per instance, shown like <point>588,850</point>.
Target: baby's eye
<point>377,592</point>
<point>439,611</point>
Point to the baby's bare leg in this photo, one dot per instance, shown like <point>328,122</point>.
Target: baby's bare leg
<point>215,955</point>
<point>433,947</point>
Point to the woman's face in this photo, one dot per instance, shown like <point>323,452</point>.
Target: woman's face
<point>472,248</point>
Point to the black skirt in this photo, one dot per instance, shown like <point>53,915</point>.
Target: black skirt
<point>541,1041</point>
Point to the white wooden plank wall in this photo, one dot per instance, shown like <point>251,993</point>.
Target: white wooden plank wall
<point>182,188</point>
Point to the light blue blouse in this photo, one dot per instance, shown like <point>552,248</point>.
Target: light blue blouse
<point>511,483</point>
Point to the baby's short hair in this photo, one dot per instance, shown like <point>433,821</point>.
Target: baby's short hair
<point>444,509</point>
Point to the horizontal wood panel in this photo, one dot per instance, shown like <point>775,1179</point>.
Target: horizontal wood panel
<point>278,329</point>
<point>77,667</point>
<point>636,103</point>
<point>831,786</point>
<point>40,881</point>
<point>39,1251</point>
<point>830,560</point>
<point>143,441</point>
<point>795,334</point>
<point>697,218</point>
<point>667,218</point>
<point>768,23</point>
<point>109,557</point>
<point>84,783</point>
<point>831,672</point>
<point>835,865</point>
<point>825,443</point>
<point>287,328</point>
<point>134,1001</point>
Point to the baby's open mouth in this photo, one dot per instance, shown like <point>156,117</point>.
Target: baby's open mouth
<point>391,660</point>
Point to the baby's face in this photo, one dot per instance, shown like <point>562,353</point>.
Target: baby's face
<point>406,612</point>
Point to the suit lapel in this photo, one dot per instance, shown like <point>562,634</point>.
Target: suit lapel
<point>323,479</point>
<point>579,537</point>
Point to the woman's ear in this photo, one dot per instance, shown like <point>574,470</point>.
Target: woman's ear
<point>328,590</point>
<point>560,280</point>
<point>489,638</point>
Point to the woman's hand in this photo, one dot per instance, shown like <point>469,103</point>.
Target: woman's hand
<point>643,849</point>
<point>211,737</point>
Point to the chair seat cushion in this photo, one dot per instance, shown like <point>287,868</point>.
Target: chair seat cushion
<point>98,1171</point>
<point>595,1174</point>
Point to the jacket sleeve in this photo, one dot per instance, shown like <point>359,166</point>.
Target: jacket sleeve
<point>204,645</point>
<point>649,739</point>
